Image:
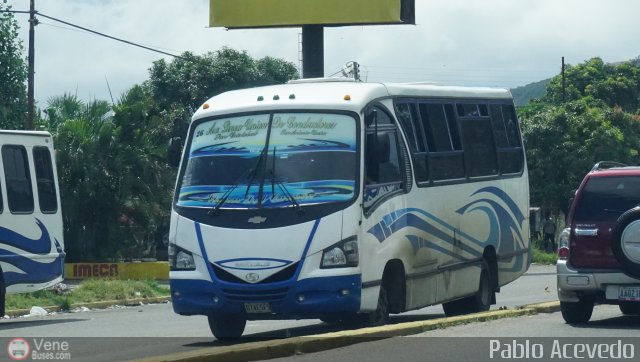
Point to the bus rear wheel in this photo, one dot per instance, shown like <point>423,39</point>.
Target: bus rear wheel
<point>3,294</point>
<point>226,327</point>
<point>479,302</point>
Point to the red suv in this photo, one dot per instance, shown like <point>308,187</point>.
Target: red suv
<point>599,251</point>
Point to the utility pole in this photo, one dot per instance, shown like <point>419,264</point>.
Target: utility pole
<point>564,84</point>
<point>29,125</point>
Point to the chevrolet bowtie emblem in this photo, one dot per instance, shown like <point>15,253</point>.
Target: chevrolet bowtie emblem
<point>257,219</point>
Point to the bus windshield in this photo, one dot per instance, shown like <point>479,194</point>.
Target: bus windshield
<point>270,160</point>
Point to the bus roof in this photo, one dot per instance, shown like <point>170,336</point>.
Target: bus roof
<point>336,93</point>
<point>25,133</point>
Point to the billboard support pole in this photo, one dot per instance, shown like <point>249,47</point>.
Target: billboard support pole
<point>312,51</point>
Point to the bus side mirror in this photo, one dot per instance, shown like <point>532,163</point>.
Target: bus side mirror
<point>174,151</point>
<point>371,118</point>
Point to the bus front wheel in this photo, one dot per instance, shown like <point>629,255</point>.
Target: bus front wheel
<point>226,327</point>
<point>380,316</point>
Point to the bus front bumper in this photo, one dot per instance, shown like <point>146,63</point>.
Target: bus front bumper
<point>307,298</point>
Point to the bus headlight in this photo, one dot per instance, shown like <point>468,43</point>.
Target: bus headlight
<point>180,259</point>
<point>341,255</point>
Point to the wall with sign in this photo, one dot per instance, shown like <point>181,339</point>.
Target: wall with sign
<point>154,270</point>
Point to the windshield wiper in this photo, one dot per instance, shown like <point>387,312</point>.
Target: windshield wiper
<point>249,173</point>
<point>281,185</point>
<point>254,170</point>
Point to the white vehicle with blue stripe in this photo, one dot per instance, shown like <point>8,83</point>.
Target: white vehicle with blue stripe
<point>347,201</point>
<point>31,244</point>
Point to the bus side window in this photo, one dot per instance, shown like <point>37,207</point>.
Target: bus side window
<point>505,131</point>
<point>384,171</point>
<point>383,161</point>
<point>409,119</point>
<point>44,179</point>
<point>446,158</point>
<point>479,147</point>
<point>18,179</point>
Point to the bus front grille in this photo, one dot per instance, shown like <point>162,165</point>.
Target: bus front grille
<point>239,295</point>
<point>281,276</point>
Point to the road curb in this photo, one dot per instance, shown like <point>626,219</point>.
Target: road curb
<point>279,348</point>
<point>93,305</point>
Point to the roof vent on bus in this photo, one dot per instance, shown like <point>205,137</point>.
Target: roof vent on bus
<point>321,80</point>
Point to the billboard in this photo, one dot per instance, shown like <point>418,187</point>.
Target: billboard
<point>283,13</point>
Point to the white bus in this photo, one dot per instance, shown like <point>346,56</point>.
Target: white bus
<point>31,244</point>
<point>335,200</point>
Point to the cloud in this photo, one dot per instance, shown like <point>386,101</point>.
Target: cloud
<point>494,42</point>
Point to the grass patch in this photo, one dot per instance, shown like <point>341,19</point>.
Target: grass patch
<point>91,290</point>
<point>542,257</point>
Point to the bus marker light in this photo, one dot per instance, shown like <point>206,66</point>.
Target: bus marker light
<point>292,96</point>
<point>300,298</point>
<point>345,292</point>
<point>276,97</point>
<point>347,97</point>
<point>260,98</point>
<point>216,299</point>
<point>205,106</point>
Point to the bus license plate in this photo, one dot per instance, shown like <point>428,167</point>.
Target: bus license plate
<point>629,293</point>
<point>257,307</point>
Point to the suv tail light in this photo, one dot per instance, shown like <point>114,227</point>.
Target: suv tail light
<point>563,244</point>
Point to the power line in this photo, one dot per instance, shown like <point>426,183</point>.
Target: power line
<point>84,32</point>
<point>110,37</point>
<point>95,32</point>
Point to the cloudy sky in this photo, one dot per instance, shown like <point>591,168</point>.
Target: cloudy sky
<point>504,43</point>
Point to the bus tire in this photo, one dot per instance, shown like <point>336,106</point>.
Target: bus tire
<point>3,294</point>
<point>380,316</point>
<point>227,327</point>
<point>479,302</point>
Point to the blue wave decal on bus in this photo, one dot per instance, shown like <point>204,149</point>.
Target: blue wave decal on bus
<point>304,193</point>
<point>38,246</point>
<point>320,145</point>
<point>505,226</point>
<point>219,149</point>
<point>30,271</point>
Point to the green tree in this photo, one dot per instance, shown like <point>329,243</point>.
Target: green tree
<point>86,148</point>
<point>618,85</point>
<point>179,87</point>
<point>13,73</point>
<point>564,141</point>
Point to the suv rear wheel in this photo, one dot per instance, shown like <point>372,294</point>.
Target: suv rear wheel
<point>625,243</point>
<point>630,308</point>
<point>576,312</point>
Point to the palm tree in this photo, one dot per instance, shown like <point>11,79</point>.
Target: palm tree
<point>115,186</point>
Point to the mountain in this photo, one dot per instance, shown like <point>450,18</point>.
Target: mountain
<point>522,95</point>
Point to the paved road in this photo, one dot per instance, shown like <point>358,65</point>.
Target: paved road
<point>132,332</point>
<point>470,342</point>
